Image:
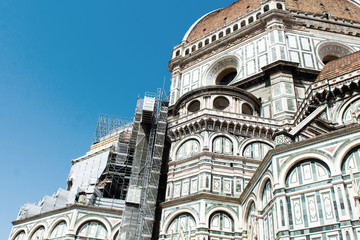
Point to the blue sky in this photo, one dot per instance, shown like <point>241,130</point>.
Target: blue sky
<point>62,63</point>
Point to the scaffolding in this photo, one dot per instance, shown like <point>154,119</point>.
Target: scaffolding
<point>114,181</point>
<point>142,196</point>
<point>109,125</point>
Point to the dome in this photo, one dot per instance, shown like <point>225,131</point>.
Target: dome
<point>336,8</point>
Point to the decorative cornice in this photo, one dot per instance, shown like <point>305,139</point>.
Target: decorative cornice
<point>199,196</point>
<point>69,208</point>
<point>214,155</point>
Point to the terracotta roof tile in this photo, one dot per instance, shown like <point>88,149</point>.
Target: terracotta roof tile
<point>220,17</point>
<point>340,66</point>
<point>336,8</point>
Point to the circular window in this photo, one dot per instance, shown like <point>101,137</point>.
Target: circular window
<point>330,51</point>
<point>194,106</point>
<point>246,109</point>
<point>329,58</point>
<point>220,103</point>
<point>223,71</point>
<point>226,76</point>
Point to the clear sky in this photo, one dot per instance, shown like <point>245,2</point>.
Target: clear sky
<point>62,63</point>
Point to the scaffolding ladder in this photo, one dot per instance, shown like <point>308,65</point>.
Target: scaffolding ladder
<point>141,201</point>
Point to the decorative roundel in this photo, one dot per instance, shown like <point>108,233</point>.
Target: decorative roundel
<point>223,72</point>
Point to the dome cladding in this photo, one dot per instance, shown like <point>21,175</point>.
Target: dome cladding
<point>335,8</point>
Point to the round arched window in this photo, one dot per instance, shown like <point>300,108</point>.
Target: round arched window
<point>226,76</point>
<point>188,149</point>
<point>223,145</point>
<point>221,221</point>
<point>92,230</point>
<point>39,234</point>
<point>194,106</point>
<point>256,150</point>
<point>59,231</point>
<point>221,103</point>
<point>20,236</point>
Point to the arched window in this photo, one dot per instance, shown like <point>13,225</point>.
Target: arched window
<point>246,109</point>
<point>221,221</point>
<point>222,145</point>
<point>251,19</point>
<point>177,53</point>
<point>266,8</point>
<point>59,231</point>
<point>213,38</point>
<point>92,230</point>
<point>221,34</point>
<point>200,45</point>
<point>351,161</point>
<point>187,51</point>
<point>39,234</point>
<point>221,103</point>
<point>279,6</point>
<point>258,16</point>
<point>207,41</point>
<point>228,31</point>
<point>193,48</point>
<point>243,23</point>
<point>306,172</point>
<point>236,27</point>
<point>352,113</point>
<point>181,226</point>
<point>256,150</point>
<point>267,193</point>
<point>250,212</point>
<point>188,149</point>
<point>20,236</point>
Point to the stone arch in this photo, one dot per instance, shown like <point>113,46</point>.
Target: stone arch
<point>261,190</point>
<point>247,142</point>
<point>266,177</point>
<point>230,212</point>
<point>36,227</point>
<point>219,66</point>
<point>231,137</point>
<point>176,213</point>
<point>285,169</point>
<point>344,107</point>
<point>18,231</point>
<point>179,144</point>
<point>342,153</point>
<point>251,200</point>
<point>56,222</point>
<point>85,219</point>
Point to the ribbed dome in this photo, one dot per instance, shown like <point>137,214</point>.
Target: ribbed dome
<point>336,8</point>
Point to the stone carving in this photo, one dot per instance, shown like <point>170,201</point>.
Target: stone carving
<point>282,139</point>
<point>253,228</point>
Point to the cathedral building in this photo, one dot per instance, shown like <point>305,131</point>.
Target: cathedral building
<point>259,139</point>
